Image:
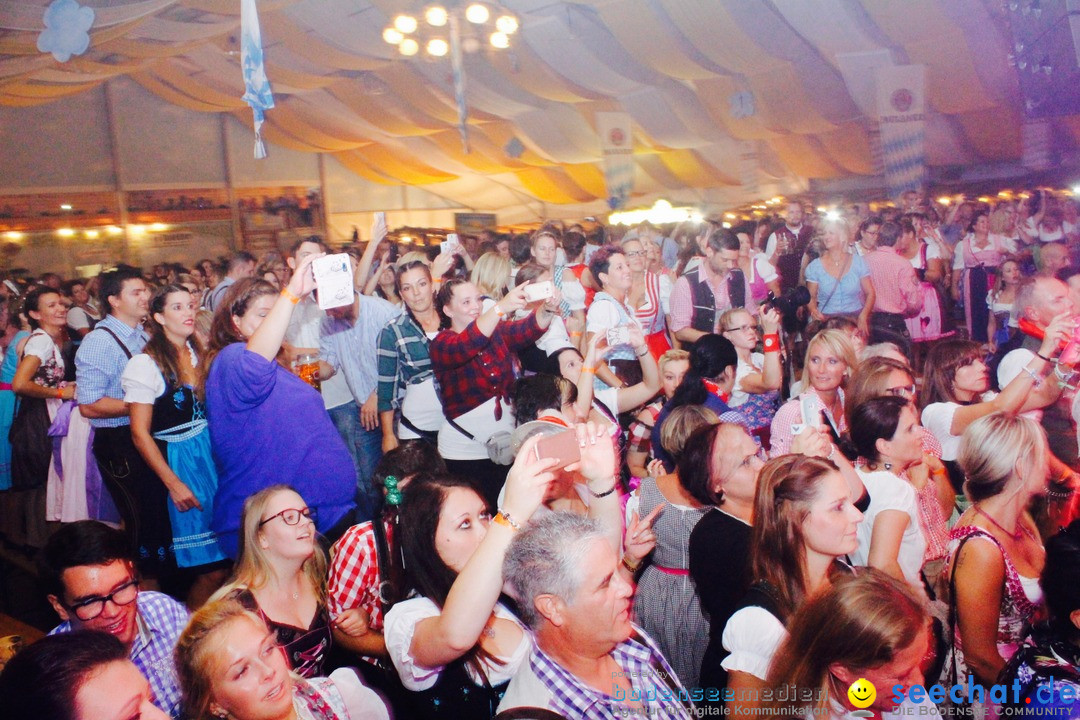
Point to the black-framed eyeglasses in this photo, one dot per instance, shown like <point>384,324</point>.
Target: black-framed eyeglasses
<point>291,516</point>
<point>635,253</point>
<point>90,609</point>
<point>742,328</point>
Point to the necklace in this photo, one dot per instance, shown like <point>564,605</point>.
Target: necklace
<point>1015,535</point>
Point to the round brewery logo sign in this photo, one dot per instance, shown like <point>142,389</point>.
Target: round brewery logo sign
<point>902,100</point>
<point>617,137</point>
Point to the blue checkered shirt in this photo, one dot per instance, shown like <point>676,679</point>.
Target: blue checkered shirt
<point>352,348</point>
<point>161,620</point>
<point>642,663</point>
<point>100,362</point>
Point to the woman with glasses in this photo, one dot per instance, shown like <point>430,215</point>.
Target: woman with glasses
<point>648,296</point>
<point>866,236</point>
<point>281,575</point>
<point>758,376</point>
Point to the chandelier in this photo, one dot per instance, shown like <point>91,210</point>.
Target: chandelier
<point>478,24</point>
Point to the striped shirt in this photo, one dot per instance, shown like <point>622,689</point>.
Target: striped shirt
<point>100,362</point>
<point>160,622</point>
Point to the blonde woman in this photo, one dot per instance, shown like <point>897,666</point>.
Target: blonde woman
<point>830,359</point>
<point>230,666</point>
<point>281,576</point>
<point>491,276</point>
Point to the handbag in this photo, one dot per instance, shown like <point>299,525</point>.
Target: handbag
<point>31,446</point>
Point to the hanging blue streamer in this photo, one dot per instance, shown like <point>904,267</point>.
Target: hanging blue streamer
<point>257,91</point>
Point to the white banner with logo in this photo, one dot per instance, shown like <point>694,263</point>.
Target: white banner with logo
<point>617,144</point>
<point>901,105</point>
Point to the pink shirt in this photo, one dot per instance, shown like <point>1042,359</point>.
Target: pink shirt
<point>896,286</point>
<point>682,299</point>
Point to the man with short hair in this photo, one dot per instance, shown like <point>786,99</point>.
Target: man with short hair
<point>897,292</point>
<point>89,575</point>
<point>348,344</point>
<point>701,296</point>
<point>241,265</point>
<point>1053,257</point>
<point>786,246</point>
<point>590,661</point>
<point>137,491</point>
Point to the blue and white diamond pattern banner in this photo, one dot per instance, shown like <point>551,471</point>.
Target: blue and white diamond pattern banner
<point>902,122</point>
<point>257,91</point>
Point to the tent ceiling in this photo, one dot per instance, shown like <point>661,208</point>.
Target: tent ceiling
<point>673,65</point>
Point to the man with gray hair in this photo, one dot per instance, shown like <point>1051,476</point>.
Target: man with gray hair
<point>590,661</point>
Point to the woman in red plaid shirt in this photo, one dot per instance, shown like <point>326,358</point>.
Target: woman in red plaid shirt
<point>473,358</point>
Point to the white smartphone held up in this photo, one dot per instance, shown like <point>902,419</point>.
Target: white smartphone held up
<point>618,336</point>
<point>450,244</point>
<point>334,280</point>
<point>535,292</point>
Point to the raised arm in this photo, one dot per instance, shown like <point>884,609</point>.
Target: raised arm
<point>446,637</point>
<point>267,338</point>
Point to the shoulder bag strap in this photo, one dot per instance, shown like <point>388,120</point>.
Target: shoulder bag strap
<point>460,429</point>
<point>117,339</point>
<point>951,637</point>
<point>382,553</point>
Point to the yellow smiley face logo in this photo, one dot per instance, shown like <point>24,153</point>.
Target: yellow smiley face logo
<point>862,693</point>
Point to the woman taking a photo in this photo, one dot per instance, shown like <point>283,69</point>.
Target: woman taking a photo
<point>995,552</point>
<point>609,310</point>
<point>839,280</point>
<point>804,520</point>
<point>266,424</point>
<point>473,361</point>
<point>168,426</point>
<point>455,645</point>
<point>230,666</point>
<point>409,405</point>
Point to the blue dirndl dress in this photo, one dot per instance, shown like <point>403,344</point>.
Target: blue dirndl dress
<point>179,428</point>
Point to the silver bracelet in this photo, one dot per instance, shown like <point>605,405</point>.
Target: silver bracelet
<point>1036,381</point>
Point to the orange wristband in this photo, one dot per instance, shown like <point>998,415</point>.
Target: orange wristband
<point>59,393</point>
<point>285,293</point>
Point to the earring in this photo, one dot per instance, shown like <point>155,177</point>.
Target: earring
<point>888,465</point>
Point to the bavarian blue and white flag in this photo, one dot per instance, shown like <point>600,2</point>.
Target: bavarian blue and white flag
<point>617,146</point>
<point>902,122</point>
<point>257,91</point>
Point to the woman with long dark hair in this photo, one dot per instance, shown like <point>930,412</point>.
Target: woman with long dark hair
<point>266,424</point>
<point>455,645</point>
<point>169,429</point>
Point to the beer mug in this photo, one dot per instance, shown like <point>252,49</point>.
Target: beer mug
<point>307,367</point>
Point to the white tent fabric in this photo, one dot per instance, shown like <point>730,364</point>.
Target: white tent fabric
<point>730,99</point>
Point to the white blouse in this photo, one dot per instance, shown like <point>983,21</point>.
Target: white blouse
<point>752,636</point>
<point>398,629</point>
<point>889,492</point>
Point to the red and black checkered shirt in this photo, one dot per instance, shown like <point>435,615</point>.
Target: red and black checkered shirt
<point>472,368</point>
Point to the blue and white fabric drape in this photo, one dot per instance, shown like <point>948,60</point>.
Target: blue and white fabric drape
<point>257,91</point>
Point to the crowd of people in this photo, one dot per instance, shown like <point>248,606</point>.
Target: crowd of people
<point>587,472</point>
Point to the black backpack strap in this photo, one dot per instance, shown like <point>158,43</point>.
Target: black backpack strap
<point>117,339</point>
<point>382,554</point>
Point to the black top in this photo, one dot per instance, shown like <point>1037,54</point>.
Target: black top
<point>720,568</point>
